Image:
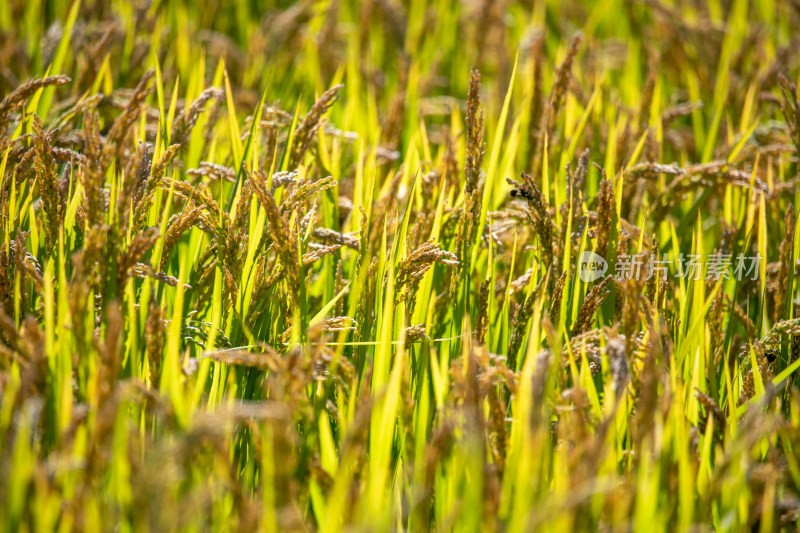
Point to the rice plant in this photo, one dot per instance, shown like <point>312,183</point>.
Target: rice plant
<point>399,265</point>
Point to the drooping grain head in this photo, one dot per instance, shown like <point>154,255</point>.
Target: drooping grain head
<point>411,270</point>
<point>519,325</point>
<point>305,132</point>
<point>19,95</point>
<point>590,304</point>
<point>470,214</point>
<point>542,221</point>
<point>791,109</point>
<point>147,189</point>
<point>475,144</point>
<point>184,123</point>
<point>53,204</point>
<point>618,362</point>
<point>606,211</point>
<point>285,242</point>
<point>785,261</point>
<point>130,114</point>
<point>554,102</point>
<point>558,294</point>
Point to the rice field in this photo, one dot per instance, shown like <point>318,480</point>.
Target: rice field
<point>384,265</point>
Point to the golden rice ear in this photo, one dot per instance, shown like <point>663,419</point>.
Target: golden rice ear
<point>154,339</point>
<point>285,241</point>
<point>791,109</point>
<point>318,253</point>
<point>305,191</point>
<point>338,287</point>
<point>618,356</point>
<point>147,188</point>
<point>558,294</point>
<point>475,142</point>
<point>53,204</point>
<point>715,325</point>
<point>177,225</point>
<point>135,251</point>
<point>553,104</point>
<point>411,270</point>
<point>20,95</point>
<point>539,212</point>
<point>606,210</point>
<point>213,171</point>
<point>393,120</point>
<point>330,237</point>
<point>482,322</point>
<point>305,132</point>
<point>473,194</point>
<point>519,324</point>
<point>184,123</point>
<point>653,277</point>
<point>366,305</point>
<point>786,253</point>
<point>590,304</point>
<point>122,126</point>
